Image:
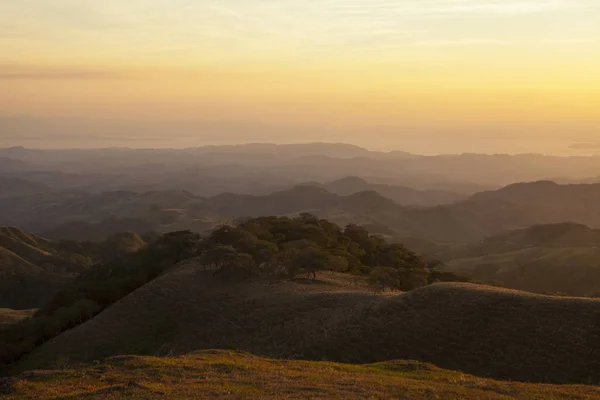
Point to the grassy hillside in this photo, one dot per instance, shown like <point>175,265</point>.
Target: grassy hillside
<point>235,375</point>
<point>33,269</point>
<point>9,317</point>
<point>479,330</point>
<point>555,258</point>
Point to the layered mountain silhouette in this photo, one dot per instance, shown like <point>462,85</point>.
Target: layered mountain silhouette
<point>400,194</point>
<point>479,216</point>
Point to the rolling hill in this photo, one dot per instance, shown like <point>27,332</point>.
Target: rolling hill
<point>400,194</point>
<point>481,330</point>
<point>555,258</point>
<point>15,187</point>
<point>68,214</point>
<point>33,269</point>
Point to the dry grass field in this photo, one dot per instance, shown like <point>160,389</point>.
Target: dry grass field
<point>235,375</point>
<point>8,316</point>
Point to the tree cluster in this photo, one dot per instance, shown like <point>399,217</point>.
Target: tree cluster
<point>306,245</point>
<point>271,246</point>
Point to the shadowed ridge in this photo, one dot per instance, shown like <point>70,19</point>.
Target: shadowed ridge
<point>560,234</point>
<point>554,258</point>
<point>33,269</point>
<point>16,235</point>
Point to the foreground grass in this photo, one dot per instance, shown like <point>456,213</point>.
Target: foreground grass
<point>234,375</point>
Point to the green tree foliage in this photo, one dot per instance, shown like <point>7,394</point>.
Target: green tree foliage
<point>383,278</point>
<point>306,245</point>
<point>95,289</point>
<point>228,262</point>
<point>261,246</point>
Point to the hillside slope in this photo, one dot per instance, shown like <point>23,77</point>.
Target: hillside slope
<point>234,375</point>
<point>554,258</point>
<point>33,269</point>
<point>480,330</point>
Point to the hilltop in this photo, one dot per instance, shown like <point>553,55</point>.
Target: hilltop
<point>236,375</point>
<point>480,330</point>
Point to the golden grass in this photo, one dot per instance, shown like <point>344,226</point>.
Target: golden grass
<point>236,375</point>
<point>8,316</point>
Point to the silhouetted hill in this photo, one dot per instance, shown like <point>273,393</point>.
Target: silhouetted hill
<point>297,199</point>
<point>13,186</point>
<point>97,232</point>
<point>400,194</point>
<point>261,168</point>
<point>551,202</point>
<point>476,329</point>
<point>95,216</point>
<point>556,258</point>
<point>480,216</point>
<point>337,150</point>
<point>565,234</point>
<point>8,164</point>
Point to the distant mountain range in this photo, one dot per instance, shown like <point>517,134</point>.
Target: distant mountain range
<point>400,194</point>
<point>262,168</point>
<point>70,214</point>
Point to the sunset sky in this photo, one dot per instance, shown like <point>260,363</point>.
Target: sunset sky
<point>419,75</point>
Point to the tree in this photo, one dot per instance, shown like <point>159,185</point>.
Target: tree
<point>338,264</point>
<point>309,260</point>
<point>175,247</point>
<point>228,262</point>
<point>383,278</point>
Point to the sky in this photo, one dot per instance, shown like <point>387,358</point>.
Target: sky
<point>428,76</point>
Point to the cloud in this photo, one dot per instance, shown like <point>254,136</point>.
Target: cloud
<point>459,42</point>
<point>52,73</point>
<point>569,40</point>
<point>445,8</point>
<point>585,146</point>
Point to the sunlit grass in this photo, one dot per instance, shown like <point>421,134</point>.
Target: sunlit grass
<point>236,375</point>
